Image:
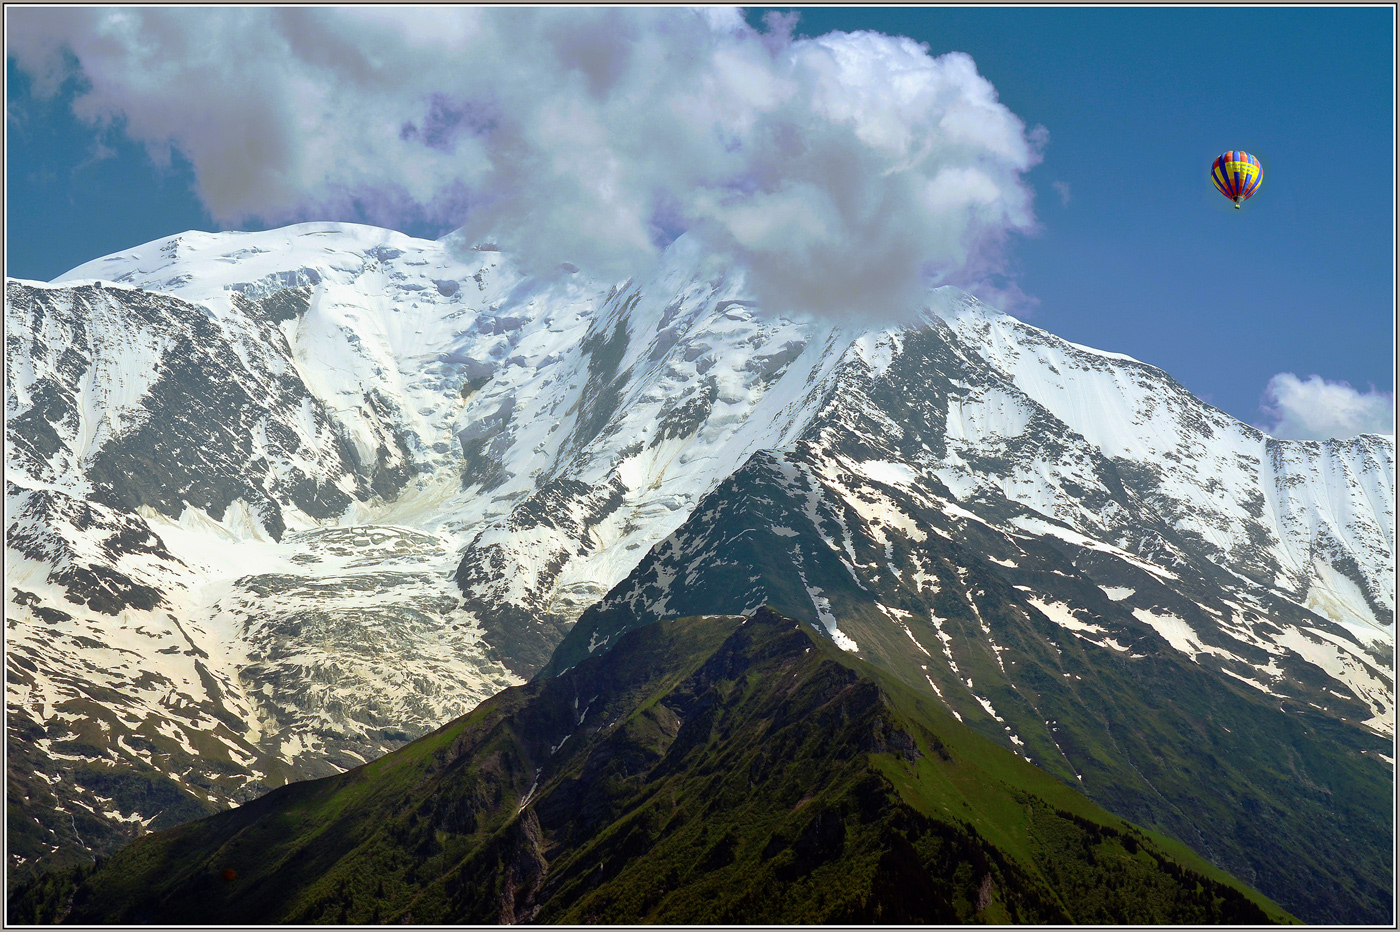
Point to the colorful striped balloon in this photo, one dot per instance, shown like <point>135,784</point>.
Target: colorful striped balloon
<point>1236,175</point>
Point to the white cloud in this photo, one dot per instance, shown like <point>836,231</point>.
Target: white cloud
<point>1317,409</point>
<point>1062,189</point>
<point>847,172</point>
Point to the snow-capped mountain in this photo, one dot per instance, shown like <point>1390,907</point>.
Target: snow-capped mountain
<point>279,501</point>
<point>1168,688</point>
<point>246,470</point>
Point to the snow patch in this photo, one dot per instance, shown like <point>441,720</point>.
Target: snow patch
<point>886,472</point>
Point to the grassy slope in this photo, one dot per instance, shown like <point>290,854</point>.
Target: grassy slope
<point>1269,790</point>
<point>702,771</point>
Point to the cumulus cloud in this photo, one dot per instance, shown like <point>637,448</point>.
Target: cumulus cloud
<point>847,172</point>
<point>1316,409</point>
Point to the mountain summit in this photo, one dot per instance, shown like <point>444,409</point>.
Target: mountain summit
<point>279,502</point>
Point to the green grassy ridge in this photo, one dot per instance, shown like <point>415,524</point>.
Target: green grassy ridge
<point>1291,800</point>
<point>274,837</point>
<point>704,770</point>
<point>1020,782</point>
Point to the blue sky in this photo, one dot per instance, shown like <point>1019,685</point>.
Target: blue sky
<point>1130,248</point>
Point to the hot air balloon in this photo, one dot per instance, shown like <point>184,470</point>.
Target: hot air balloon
<point>1236,175</point>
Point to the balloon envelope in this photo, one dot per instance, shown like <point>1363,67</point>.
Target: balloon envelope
<point>1236,175</point>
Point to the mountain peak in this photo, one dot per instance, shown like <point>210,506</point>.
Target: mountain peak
<point>411,474</point>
